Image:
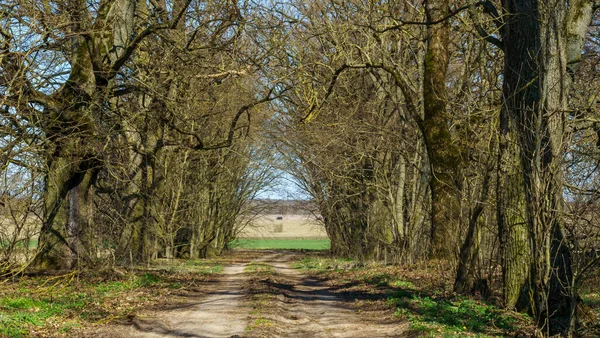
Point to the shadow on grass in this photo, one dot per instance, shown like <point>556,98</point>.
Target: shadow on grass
<point>446,313</point>
<point>428,313</point>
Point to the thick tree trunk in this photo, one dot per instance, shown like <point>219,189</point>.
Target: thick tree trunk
<point>442,156</point>
<point>536,85</point>
<point>70,126</point>
<point>512,220</point>
<point>64,239</point>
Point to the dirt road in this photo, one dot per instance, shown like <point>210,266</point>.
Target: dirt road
<point>306,306</point>
<point>283,303</point>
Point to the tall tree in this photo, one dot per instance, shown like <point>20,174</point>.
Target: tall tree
<point>542,40</point>
<point>443,157</point>
<point>97,84</point>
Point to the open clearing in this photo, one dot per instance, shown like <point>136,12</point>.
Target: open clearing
<point>288,226</point>
<point>281,243</point>
<point>289,231</point>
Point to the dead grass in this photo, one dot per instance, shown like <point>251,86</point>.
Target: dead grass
<point>291,226</point>
<point>70,304</point>
<point>420,294</point>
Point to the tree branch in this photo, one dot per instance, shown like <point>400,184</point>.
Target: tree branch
<point>232,127</point>
<point>453,13</point>
<point>138,39</point>
<point>400,80</point>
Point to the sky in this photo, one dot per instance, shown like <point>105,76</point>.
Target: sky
<point>285,187</point>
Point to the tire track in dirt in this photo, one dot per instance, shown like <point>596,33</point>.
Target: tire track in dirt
<point>222,313</point>
<point>306,307</point>
<point>298,306</point>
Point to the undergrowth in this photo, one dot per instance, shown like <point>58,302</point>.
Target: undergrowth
<point>53,306</point>
<point>419,295</point>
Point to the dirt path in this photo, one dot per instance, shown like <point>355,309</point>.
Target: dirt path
<point>291,305</point>
<point>308,307</point>
<point>220,314</point>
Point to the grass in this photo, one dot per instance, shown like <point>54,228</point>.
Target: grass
<point>260,298</point>
<point>324,264</point>
<point>53,306</point>
<point>31,243</point>
<point>197,266</point>
<point>442,314</point>
<point>416,295</point>
<point>591,299</point>
<point>258,267</point>
<point>277,243</point>
<point>28,311</point>
<point>452,317</point>
<point>259,323</point>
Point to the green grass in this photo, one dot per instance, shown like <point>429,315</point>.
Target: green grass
<point>31,244</point>
<point>30,308</point>
<point>295,244</point>
<point>324,264</point>
<point>61,304</point>
<point>456,316</point>
<point>591,299</point>
<point>18,314</point>
<point>258,267</point>
<point>203,267</point>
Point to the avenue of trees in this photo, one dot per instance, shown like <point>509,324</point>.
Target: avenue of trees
<point>467,131</point>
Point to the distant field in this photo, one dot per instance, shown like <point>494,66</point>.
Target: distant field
<point>281,243</point>
<point>289,226</point>
<point>283,232</point>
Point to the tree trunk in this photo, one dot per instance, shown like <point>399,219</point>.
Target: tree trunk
<point>67,214</point>
<point>442,156</point>
<point>536,85</point>
<point>470,246</point>
<point>71,129</point>
<point>511,216</point>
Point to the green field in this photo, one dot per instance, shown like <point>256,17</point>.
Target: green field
<point>281,243</point>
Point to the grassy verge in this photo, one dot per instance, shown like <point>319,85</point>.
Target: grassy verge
<point>260,298</point>
<point>259,268</point>
<point>59,305</point>
<point>276,243</point>
<point>317,264</point>
<point>454,316</point>
<point>419,295</point>
<point>591,299</point>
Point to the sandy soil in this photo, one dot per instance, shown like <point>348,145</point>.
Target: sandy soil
<point>296,305</point>
<point>306,306</point>
<point>220,313</point>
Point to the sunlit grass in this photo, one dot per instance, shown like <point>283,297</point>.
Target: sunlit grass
<point>289,244</point>
<point>324,264</point>
<point>61,304</point>
<point>259,267</point>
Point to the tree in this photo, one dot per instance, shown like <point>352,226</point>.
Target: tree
<point>542,40</point>
<point>443,157</point>
<point>90,82</point>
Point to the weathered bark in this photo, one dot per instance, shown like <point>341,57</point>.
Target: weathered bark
<point>512,224</point>
<point>70,159</point>
<point>536,85</point>
<point>102,40</point>
<point>470,247</point>
<point>67,212</point>
<point>442,156</point>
